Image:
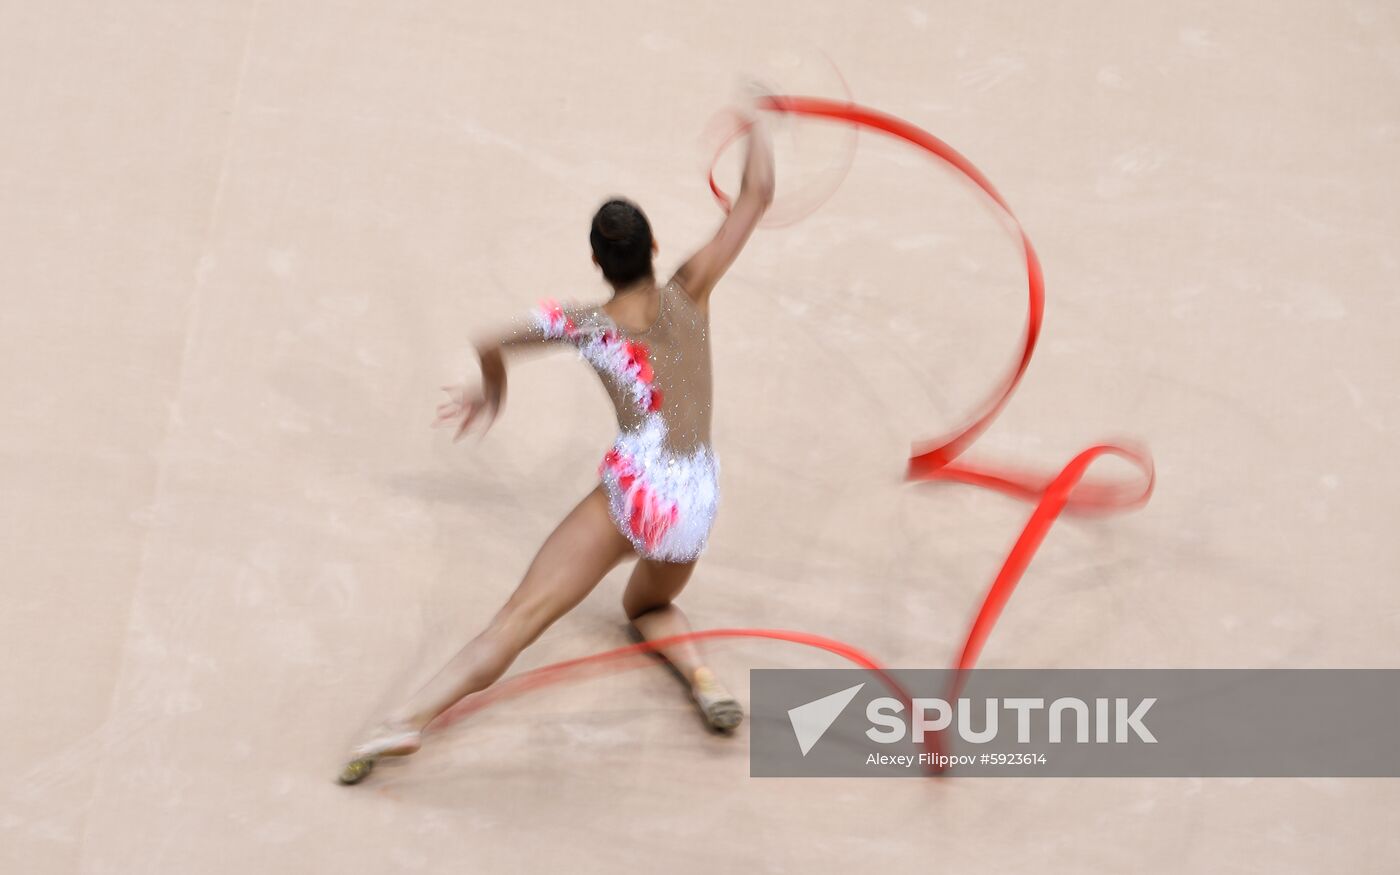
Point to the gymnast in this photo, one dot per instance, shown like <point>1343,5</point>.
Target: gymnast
<point>658,488</point>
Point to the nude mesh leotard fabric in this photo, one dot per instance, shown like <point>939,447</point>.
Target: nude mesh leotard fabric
<point>661,475</point>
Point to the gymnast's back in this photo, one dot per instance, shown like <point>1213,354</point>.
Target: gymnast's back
<point>658,377</point>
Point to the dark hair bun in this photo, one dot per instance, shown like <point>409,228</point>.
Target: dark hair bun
<point>621,240</point>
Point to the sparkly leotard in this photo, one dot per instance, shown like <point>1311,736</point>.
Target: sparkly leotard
<point>661,475</point>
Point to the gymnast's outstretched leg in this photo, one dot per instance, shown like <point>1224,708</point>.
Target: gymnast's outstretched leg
<point>578,554</point>
<point>649,601</point>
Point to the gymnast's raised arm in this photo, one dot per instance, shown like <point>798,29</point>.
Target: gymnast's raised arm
<point>699,275</point>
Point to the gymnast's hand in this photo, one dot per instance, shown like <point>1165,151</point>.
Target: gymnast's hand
<point>753,95</point>
<point>464,406</point>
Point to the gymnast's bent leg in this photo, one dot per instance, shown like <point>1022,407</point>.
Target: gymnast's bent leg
<point>649,601</point>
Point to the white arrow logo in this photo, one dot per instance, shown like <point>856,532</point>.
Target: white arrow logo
<point>811,721</point>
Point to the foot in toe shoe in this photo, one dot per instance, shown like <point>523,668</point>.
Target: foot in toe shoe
<point>722,712</point>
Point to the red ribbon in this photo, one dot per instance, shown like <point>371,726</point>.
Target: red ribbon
<point>933,460</point>
<point>930,460</point>
<point>619,658</point>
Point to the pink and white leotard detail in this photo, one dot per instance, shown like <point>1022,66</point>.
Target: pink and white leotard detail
<point>661,475</point>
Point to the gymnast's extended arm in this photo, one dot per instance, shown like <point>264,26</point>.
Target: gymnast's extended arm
<point>468,404</point>
<point>699,275</point>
